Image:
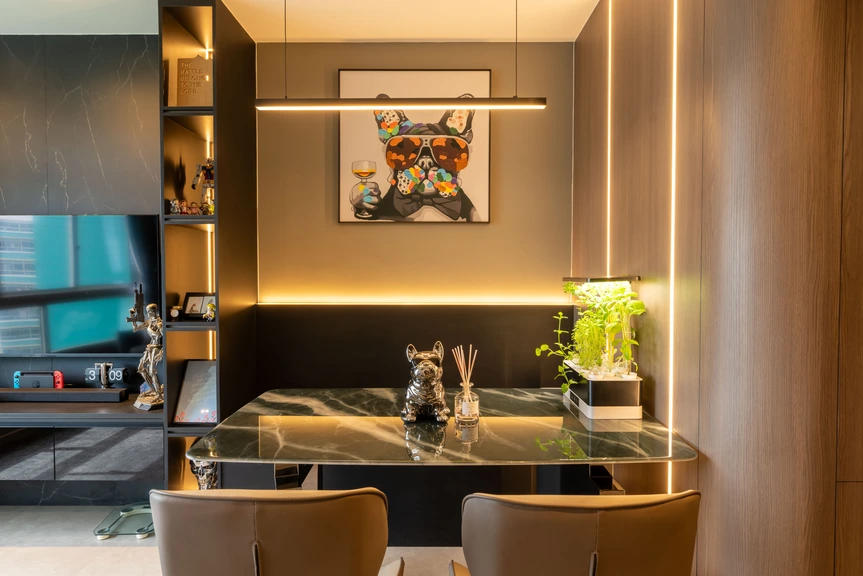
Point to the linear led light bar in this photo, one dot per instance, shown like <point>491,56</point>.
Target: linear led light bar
<point>334,104</point>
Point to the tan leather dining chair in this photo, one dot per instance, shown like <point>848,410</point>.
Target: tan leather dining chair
<point>578,535</point>
<point>270,533</point>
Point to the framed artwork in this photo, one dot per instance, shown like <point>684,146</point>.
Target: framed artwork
<point>197,401</point>
<point>414,165</point>
<point>195,304</point>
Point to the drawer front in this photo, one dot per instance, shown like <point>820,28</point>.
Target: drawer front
<point>26,454</point>
<point>109,454</point>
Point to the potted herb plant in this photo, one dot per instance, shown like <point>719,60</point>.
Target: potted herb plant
<point>600,351</point>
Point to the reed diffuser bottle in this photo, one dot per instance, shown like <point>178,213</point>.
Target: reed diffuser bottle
<point>466,401</point>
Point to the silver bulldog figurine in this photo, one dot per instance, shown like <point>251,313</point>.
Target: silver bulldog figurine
<point>425,395</point>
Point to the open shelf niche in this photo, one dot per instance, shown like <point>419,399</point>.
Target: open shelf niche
<point>203,117</point>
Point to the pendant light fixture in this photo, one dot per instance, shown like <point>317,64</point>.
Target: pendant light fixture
<point>334,104</point>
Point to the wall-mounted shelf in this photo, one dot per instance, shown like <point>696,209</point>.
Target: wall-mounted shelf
<point>81,355</point>
<point>172,111</point>
<point>79,414</point>
<point>190,429</point>
<point>191,326</point>
<point>174,220</point>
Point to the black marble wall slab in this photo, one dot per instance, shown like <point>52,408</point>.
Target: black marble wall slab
<point>61,493</point>
<point>79,125</point>
<point>23,175</point>
<point>102,123</point>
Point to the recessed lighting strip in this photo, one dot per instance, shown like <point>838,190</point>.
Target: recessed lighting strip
<point>336,104</point>
<point>672,266</point>
<point>608,151</point>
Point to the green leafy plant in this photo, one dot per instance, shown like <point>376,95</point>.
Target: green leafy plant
<point>605,322</point>
<point>564,350</point>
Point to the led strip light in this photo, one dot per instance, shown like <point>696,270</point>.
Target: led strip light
<point>672,267</point>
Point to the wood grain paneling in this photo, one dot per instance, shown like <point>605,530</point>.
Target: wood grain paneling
<point>590,141</point>
<point>641,176</point>
<point>687,305</point>
<point>772,185</point>
<point>850,336</point>
<point>849,529</point>
<point>642,81</point>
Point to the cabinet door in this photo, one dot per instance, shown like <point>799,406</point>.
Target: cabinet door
<point>134,454</point>
<point>26,454</point>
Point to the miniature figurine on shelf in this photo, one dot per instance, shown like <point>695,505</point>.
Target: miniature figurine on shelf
<point>151,390</point>
<point>205,176</point>
<point>175,206</point>
<point>194,209</point>
<point>184,208</point>
<point>210,314</point>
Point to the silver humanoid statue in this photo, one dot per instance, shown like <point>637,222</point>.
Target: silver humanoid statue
<point>151,390</point>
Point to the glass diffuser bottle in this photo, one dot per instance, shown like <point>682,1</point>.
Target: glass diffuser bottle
<point>466,401</point>
<point>466,405</point>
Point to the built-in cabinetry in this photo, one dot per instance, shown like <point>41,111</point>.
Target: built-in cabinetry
<point>208,81</point>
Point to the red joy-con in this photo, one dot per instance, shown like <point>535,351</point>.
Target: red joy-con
<point>58,379</point>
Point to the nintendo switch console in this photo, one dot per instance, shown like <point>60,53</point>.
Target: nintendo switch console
<point>30,379</point>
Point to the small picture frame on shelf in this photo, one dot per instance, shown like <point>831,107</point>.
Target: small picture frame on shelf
<point>195,304</point>
<point>197,399</point>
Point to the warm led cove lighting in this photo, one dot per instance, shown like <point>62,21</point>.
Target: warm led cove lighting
<point>336,104</point>
<point>673,240</point>
<point>608,151</point>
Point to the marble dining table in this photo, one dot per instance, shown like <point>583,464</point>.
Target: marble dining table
<point>361,426</point>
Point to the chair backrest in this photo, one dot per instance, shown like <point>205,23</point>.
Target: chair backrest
<point>580,535</point>
<point>265,533</point>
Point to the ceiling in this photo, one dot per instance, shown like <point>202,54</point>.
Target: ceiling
<point>415,21</point>
<point>79,17</point>
<point>321,20</point>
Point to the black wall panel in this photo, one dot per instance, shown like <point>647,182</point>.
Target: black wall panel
<point>23,171</point>
<point>80,125</point>
<point>364,346</point>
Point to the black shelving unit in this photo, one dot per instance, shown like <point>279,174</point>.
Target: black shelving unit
<point>208,253</point>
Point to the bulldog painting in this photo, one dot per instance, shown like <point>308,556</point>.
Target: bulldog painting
<point>414,165</point>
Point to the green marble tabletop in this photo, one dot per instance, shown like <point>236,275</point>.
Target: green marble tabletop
<point>362,426</point>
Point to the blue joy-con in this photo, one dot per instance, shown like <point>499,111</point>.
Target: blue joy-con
<point>17,377</point>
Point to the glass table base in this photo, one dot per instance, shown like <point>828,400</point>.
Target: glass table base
<point>132,520</point>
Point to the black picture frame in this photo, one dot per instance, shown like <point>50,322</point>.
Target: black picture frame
<point>195,304</point>
<point>197,399</point>
<point>490,148</point>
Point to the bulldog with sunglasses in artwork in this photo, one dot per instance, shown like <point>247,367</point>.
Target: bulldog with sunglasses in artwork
<point>424,161</point>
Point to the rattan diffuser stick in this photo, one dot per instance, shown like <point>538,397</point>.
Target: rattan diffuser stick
<point>465,365</point>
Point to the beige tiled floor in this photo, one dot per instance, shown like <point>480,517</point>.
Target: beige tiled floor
<point>58,541</point>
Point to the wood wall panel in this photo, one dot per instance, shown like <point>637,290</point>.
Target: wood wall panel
<point>590,143</point>
<point>772,183</point>
<point>641,143</point>
<point>849,529</point>
<point>850,336</point>
<point>690,121</point>
<point>641,176</point>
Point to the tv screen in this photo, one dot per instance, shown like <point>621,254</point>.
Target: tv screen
<point>67,282</point>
